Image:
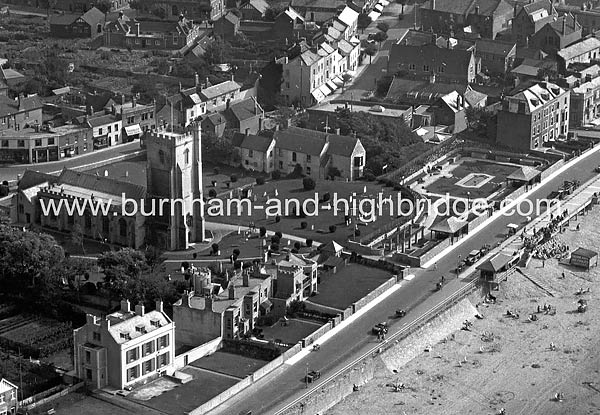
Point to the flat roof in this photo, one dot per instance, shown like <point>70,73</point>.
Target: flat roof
<point>367,107</point>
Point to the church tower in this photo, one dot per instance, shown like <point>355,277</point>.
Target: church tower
<point>174,182</point>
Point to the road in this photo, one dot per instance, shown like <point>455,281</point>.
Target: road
<point>274,391</point>
<point>10,172</point>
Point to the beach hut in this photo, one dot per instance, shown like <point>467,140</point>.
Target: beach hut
<point>584,258</point>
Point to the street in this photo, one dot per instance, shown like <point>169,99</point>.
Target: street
<point>10,172</point>
<point>274,391</point>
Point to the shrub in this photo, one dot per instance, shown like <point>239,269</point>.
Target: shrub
<point>275,247</point>
<point>233,178</point>
<point>326,197</point>
<point>308,183</point>
<point>398,187</point>
<point>276,175</point>
<point>236,252</point>
<point>357,232</point>
<point>279,234</point>
<point>369,176</point>
<point>212,193</point>
<point>332,228</point>
<point>303,225</point>
<point>260,181</point>
<point>215,248</point>
<point>263,231</point>
<point>277,219</point>
<point>297,245</point>
<point>216,170</point>
<point>275,239</point>
<point>309,242</point>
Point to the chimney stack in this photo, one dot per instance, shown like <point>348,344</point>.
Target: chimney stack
<point>432,4</point>
<point>208,302</point>
<point>231,290</point>
<point>196,79</point>
<point>133,102</point>
<point>137,28</point>
<point>159,306</point>
<point>140,310</point>
<point>246,279</point>
<point>185,299</point>
<point>90,319</point>
<point>125,306</point>
<point>232,80</point>
<point>564,25</point>
<point>122,99</point>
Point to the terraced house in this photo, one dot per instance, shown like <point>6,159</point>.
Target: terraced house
<point>125,348</point>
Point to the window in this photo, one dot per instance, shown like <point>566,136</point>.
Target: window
<point>13,394</point>
<point>88,374</point>
<point>163,360</point>
<point>4,143</point>
<point>308,159</point>
<point>147,348</point>
<point>38,142</point>
<point>161,156</point>
<point>186,156</point>
<point>51,141</point>
<point>109,129</point>
<point>20,143</point>
<point>175,40</point>
<point>425,68</point>
<point>1,398</point>
<point>132,355</point>
<point>250,153</point>
<point>96,335</point>
<point>412,67</point>
<point>163,341</point>
<point>132,373</point>
<point>294,156</point>
<point>147,366</point>
<point>308,171</point>
<point>280,165</point>
<point>88,356</point>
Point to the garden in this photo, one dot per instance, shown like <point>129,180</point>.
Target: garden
<point>35,336</point>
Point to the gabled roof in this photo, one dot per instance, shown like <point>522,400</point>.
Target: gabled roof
<point>531,8</point>
<point>102,120</point>
<point>348,16</point>
<point>494,47</point>
<point>243,110</point>
<point>92,16</point>
<point>219,89</point>
<point>256,143</point>
<point>495,263</point>
<point>232,18</point>
<point>579,48</point>
<point>587,253</point>
<point>464,7</point>
<point>101,184</point>
<point>332,247</point>
<point>12,106</point>
<point>32,178</point>
<point>260,6</point>
<point>215,118</point>
<point>292,14</point>
<point>63,19</point>
<point>565,25</point>
<point>538,94</point>
<point>301,140</point>
<point>452,101</point>
<point>456,60</point>
<point>448,225</point>
<point>340,145</point>
<point>473,97</point>
<point>128,323</point>
<point>6,386</point>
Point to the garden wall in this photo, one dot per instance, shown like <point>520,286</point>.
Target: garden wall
<point>197,352</point>
<point>272,365</point>
<point>310,339</point>
<point>373,294</point>
<point>552,169</point>
<point>361,249</point>
<point>48,396</point>
<point>222,397</point>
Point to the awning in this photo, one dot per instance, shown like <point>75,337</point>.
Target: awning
<point>338,81</point>
<point>266,305</point>
<point>378,8</point>
<point>133,130</point>
<point>332,85</point>
<point>384,2</point>
<point>325,89</point>
<point>318,95</point>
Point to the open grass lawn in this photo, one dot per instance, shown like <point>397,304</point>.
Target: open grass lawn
<point>230,364</point>
<point>184,398</point>
<point>295,330</point>
<point>288,191</point>
<point>445,185</point>
<point>348,285</point>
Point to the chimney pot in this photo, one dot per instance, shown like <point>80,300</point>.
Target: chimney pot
<point>159,306</point>
<point>140,310</point>
<point>125,306</point>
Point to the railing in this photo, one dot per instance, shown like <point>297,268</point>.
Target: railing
<point>401,334</point>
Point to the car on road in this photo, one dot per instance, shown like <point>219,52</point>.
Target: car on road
<point>383,326</point>
<point>312,376</point>
<point>473,257</point>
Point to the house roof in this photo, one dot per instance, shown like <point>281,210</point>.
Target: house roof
<point>92,16</point>
<point>256,143</point>
<point>102,184</point>
<point>586,253</point>
<point>216,118</point>
<point>292,14</point>
<point>524,174</point>
<point>526,70</point>
<point>259,5</point>
<point>486,7</point>
<point>292,142</point>
<point>232,18</point>
<point>102,120</point>
<point>32,178</point>
<point>348,16</point>
<point>570,25</point>
<point>494,47</point>
<point>422,90</point>
<point>128,323</point>
<point>11,106</point>
<point>332,247</point>
<point>6,386</point>
<point>451,100</point>
<point>219,89</point>
<point>63,19</point>
<point>448,225</point>
<point>473,97</point>
<point>8,74</point>
<point>531,8</point>
<point>342,145</point>
<point>456,60</point>
<point>538,94</point>
<point>495,263</point>
<point>579,48</point>
<point>244,110</point>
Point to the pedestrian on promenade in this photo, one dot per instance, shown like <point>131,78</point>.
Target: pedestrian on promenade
<point>435,266</point>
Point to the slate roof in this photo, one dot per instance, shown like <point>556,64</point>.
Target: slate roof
<point>63,19</point>
<point>456,60</point>
<point>448,225</point>
<point>533,96</point>
<point>92,16</point>
<point>579,48</point>
<point>11,106</point>
<point>538,5</point>
<point>486,7</point>
<point>524,174</point>
<point>232,18</point>
<point>256,143</point>
<point>219,89</point>
<point>494,47</point>
<point>102,184</point>
<point>260,5</point>
<point>128,322</point>
<point>570,25</point>
<point>307,145</point>
<point>102,120</point>
<point>342,145</point>
<point>422,90</point>
<point>473,97</point>
<point>216,118</point>
<point>496,263</point>
<point>586,253</point>
<point>32,178</point>
<point>243,110</point>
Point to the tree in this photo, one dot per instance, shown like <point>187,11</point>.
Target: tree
<point>383,26</point>
<point>380,37</point>
<point>217,52</point>
<point>103,6</point>
<point>77,236</point>
<point>345,79</point>
<point>146,90</point>
<point>121,268</point>
<point>308,183</point>
<point>371,50</point>
<point>272,12</point>
<point>363,21</point>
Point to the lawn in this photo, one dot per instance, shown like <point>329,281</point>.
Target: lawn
<point>230,364</point>
<point>318,221</point>
<point>295,330</point>
<point>348,285</point>
<point>184,398</point>
<point>444,185</point>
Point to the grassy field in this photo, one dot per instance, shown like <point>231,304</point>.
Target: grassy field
<point>295,330</point>
<point>448,185</point>
<point>348,284</point>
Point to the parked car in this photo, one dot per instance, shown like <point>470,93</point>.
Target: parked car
<point>312,376</point>
<point>381,326</point>
<point>473,257</point>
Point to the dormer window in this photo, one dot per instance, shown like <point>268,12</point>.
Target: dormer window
<point>155,323</point>
<point>125,335</point>
<point>140,329</point>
